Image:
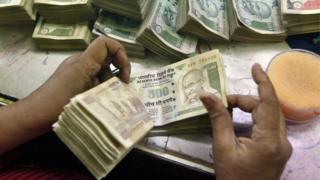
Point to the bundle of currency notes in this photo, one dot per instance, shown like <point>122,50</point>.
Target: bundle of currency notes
<point>102,125</point>
<point>68,11</point>
<point>158,32</point>
<point>17,12</point>
<point>207,20</point>
<point>171,94</point>
<point>122,29</point>
<point>256,21</point>
<point>136,9</point>
<point>197,125</point>
<point>61,36</point>
<point>301,16</point>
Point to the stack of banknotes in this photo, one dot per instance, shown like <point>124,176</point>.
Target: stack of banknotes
<point>256,21</point>
<point>136,9</point>
<point>158,32</point>
<point>122,29</point>
<point>171,28</point>
<point>171,94</point>
<point>102,125</point>
<point>57,11</point>
<point>207,20</point>
<point>301,16</point>
<point>17,12</point>
<point>61,36</point>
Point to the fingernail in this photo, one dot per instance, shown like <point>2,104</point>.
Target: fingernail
<point>207,99</point>
<point>204,100</point>
<point>317,111</point>
<point>258,66</point>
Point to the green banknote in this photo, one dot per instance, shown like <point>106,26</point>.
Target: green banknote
<point>61,36</point>
<point>260,16</point>
<point>172,93</point>
<point>212,14</point>
<point>57,30</point>
<point>60,31</point>
<point>163,24</point>
<point>118,27</point>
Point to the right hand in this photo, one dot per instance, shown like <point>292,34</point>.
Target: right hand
<point>262,156</point>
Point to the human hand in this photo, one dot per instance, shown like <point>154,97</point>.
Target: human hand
<point>35,114</point>
<point>75,75</point>
<point>84,70</point>
<point>263,155</point>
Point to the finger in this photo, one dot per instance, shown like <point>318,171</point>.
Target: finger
<point>268,114</point>
<point>104,47</point>
<point>122,63</point>
<point>245,103</point>
<point>120,59</point>
<point>222,129</point>
<point>266,91</point>
<point>97,51</point>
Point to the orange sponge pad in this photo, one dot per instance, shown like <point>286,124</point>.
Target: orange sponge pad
<point>296,78</point>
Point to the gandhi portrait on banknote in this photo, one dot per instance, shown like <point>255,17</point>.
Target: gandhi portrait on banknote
<point>170,13</point>
<point>193,84</point>
<point>259,9</point>
<point>210,7</point>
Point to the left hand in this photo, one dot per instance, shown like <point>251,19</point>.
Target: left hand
<point>35,114</point>
<point>75,75</point>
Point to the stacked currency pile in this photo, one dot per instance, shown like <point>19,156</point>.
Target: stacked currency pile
<point>136,9</point>
<point>301,16</point>
<point>61,36</point>
<point>17,12</point>
<point>256,21</point>
<point>57,11</point>
<point>207,20</point>
<point>122,29</point>
<point>102,125</point>
<point>158,32</point>
<point>171,94</point>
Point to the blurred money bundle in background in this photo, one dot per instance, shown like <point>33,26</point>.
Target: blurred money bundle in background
<point>17,12</point>
<point>122,29</point>
<point>301,16</point>
<point>57,11</point>
<point>158,32</point>
<point>136,9</point>
<point>207,20</point>
<point>171,28</point>
<point>255,21</point>
<point>61,36</point>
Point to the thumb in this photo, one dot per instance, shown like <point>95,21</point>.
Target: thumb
<point>222,128</point>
